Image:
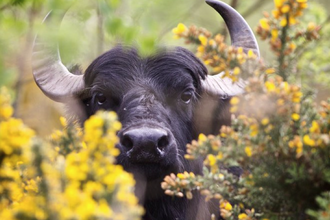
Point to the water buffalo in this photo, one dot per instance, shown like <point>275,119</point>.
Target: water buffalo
<point>163,102</point>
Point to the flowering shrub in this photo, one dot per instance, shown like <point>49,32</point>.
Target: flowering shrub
<point>284,34</point>
<point>279,139</point>
<point>72,176</point>
<point>214,52</point>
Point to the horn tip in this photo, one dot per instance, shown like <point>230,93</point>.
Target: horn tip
<point>214,2</point>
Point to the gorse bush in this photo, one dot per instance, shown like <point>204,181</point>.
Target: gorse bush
<point>72,176</point>
<point>279,139</point>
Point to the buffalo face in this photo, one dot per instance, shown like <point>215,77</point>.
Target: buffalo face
<point>154,98</point>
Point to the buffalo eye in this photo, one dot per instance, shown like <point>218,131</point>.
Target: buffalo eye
<point>186,96</point>
<point>101,99</point>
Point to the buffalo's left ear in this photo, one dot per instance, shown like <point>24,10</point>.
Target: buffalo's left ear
<point>191,63</point>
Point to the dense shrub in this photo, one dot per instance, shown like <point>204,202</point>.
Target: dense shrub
<point>278,138</point>
<point>71,176</point>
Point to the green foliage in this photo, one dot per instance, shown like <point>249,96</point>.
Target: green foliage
<point>324,204</point>
<point>313,67</point>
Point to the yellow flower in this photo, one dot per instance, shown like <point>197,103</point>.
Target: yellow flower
<point>181,176</point>
<point>6,111</point>
<point>283,22</point>
<point>207,62</point>
<point>286,87</point>
<point>202,138</point>
<point>180,29</point>
<point>212,43</point>
<point>211,159</point>
<point>248,151</point>
<point>276,14</point>
<point>265,121</point>
<point>274,34</point>
<point>14,135</point>
<point>280,102</point>
<point>233,109</point>
<point>292,46</point>
<point>226,205</point>
<point>203,40</point>
<point>201,49</point>
<point>308,141</point>
<point>279,3</point>
<point>270,86</point>
<point>254,130</point>
<point>315,127</point>
<point>242,216</point>
<point>192,175</point>
<point>299,150</point>
<point>296,96</point>
<point>295,116</point>
<point>270,70</point>
<point>63,121</point>
<point>303,5</point>
<point>264,24</point>
<point>311,26</point>
<point>32,185</point>
<point>291,144</point>
<point>234,101</point>
<point>285,9</point>
<point>292,20</point>
<point>236,71</point>
<point>251,54</point>
<point>220,156</point>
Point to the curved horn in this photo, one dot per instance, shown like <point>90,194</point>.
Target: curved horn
<point>241,36</point>
<point>52,77</point>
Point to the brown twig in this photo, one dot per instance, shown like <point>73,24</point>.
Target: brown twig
<point>197,4</point>
<point>4,7</point>
<point>100,30</point>
<point>258,4</point>
<point>281,58</point>
<point>23,65</point>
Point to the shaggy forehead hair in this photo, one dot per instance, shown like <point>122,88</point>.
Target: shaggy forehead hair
<point>122,68</point>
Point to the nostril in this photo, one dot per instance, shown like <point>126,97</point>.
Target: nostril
<point>163,142</point>
<point>127,142</point>
<point>145,142</point>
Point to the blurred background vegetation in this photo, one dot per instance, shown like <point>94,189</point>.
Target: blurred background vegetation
<point>93,27</point>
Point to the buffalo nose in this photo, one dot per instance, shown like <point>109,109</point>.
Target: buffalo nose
<point>145,142</point>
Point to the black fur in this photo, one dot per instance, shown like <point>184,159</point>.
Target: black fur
<point>150,92</point>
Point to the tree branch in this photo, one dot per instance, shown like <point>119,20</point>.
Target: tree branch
<point>4,7</point>
<point>257,5</point>
<point>197,4</point>
<point>100,31</point>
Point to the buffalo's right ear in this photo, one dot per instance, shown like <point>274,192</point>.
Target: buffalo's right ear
<point>211,113</point>
<point>76,69</point>
<point>190,62</point>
